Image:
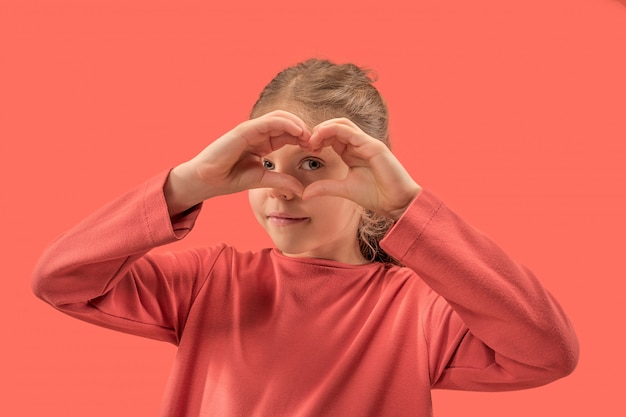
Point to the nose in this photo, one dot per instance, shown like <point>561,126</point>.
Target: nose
<point>281,194</point>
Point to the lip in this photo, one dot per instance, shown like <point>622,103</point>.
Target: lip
<point>284,219</point>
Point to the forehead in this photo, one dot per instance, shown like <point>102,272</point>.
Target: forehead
<point>295,151</point>
<point>310,116</point>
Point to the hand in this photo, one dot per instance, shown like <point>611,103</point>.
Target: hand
<point>376,180</point>
<point>232,163</point>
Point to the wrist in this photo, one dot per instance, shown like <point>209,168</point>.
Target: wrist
<point>181,190</point>
<point>397,213</point>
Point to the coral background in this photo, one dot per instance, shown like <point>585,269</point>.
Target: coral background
<point>514,113</point>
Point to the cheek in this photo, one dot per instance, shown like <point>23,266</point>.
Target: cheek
<point>255,197</point>
<point>339,210</point>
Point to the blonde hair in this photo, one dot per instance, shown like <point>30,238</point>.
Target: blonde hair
<point>318,90</point>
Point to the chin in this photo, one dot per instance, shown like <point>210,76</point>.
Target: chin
<point>290,251</point>
<point>293,248</point>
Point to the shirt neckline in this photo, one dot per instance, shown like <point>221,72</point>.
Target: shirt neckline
<point>323,262</point>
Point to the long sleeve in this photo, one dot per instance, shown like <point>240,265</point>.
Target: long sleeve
<point>494,327</point>
<point>99,271</point>
<point>332,339</point>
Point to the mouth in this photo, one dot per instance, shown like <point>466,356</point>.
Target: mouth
<point>282,219</point>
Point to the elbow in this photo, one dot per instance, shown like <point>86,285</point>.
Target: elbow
<point>561,359</point>
<point>567,361</point>
<point>553,364</point>
<point>550,359</point>
<point>40,285</point>
<point>44,284</point>
<point>568,351</point>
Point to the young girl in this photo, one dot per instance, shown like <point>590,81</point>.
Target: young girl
<point>375,293</point>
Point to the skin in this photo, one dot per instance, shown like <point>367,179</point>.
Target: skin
<point>318,227</point>
<point>318,203</point>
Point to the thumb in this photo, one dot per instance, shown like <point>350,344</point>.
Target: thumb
<point>282,182</point>
<point>326,188</point>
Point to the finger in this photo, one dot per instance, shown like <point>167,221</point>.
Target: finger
<point>266,136</point>
<point>284,121</point>
<point>275,143</point>
<point>257,131</point>
<point>278,125</point>
<point>332,188</point>
<point>287,115</point>
<point>280,181</point>
<point>327,134</point>
<point>279,141</point>
<point>352,146</point>
<point>339,120</point>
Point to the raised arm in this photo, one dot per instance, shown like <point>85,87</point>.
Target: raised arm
<point>518,335</point>
<point>100,270</point>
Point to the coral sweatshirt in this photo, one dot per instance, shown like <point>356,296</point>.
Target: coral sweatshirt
<point>263,334</point>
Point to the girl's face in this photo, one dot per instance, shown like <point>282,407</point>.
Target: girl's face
<point>320,227</point>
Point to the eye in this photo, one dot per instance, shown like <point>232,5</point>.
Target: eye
<point>269,165</point>
<point>312,164</point>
